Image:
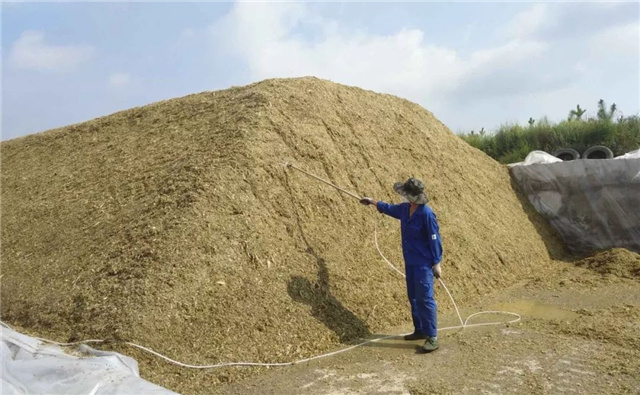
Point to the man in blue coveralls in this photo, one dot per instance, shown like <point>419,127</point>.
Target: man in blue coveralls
<point>422,251</point>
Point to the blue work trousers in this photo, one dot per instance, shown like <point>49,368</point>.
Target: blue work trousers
<point>423,305</point>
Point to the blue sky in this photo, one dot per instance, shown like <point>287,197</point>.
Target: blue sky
<point>473,64</point>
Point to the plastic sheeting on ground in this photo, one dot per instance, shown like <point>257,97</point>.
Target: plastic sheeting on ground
<point>594,204</point>
<point>537,157</point>
<point>630,155</point>
<point>30,366</point>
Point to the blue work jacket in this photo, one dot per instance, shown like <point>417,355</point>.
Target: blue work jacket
<point>421,244</point>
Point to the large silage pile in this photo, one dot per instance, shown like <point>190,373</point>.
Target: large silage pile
<point>176,225</point>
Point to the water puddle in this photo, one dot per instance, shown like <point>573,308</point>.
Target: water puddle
<point>528,308</point>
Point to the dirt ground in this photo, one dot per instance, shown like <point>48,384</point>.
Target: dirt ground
<point>580,334</point>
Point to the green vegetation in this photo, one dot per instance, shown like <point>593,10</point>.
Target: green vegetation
<point>511,143</point>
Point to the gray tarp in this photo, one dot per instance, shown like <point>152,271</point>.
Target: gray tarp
<point>593,204</point>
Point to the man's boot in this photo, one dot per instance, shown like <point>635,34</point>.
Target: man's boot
<point>431,344</point>
<point>415,336</point>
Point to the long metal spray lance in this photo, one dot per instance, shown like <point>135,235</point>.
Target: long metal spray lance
<point>289,165</point>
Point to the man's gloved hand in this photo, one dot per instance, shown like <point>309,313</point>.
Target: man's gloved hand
<point>366,201</point>
<point>437,270</point>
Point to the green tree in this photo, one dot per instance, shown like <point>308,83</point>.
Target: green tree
<point>603,113</point>
<point>577,113</point>
<point>531,122</point>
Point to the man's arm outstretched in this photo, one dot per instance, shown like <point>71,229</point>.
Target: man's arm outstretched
<point>392,210</point>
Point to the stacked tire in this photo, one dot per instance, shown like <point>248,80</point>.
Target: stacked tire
<point>567,154</point>
<point>598,152</point>
<point>595,152</point>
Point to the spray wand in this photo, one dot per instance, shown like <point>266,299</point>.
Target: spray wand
<point>289,165</point>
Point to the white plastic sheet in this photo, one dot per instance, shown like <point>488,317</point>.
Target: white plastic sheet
<point>594,204</point>
<point>30,366</point>
<point>535,157</point>
<point>630,155</point>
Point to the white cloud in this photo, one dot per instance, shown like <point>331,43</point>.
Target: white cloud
<point>508,55</point>
<point>570,20</point>
<point>31,52</point>
<point>529,22</point>
<point>544,66</point>
<point>119,80</point>
<point>619,40</point>
<point>270,39</point>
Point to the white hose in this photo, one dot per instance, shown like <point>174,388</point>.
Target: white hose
<point>463,324</point>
